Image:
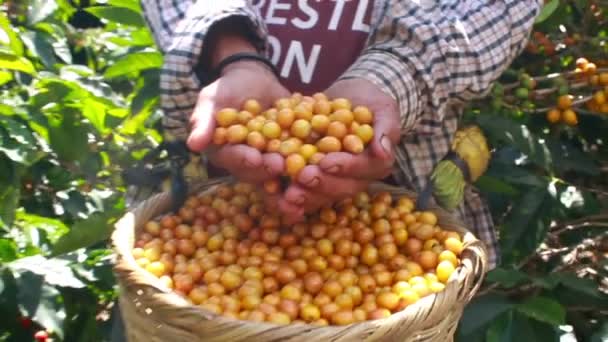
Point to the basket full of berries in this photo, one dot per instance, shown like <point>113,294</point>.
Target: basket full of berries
<point>226,267</point>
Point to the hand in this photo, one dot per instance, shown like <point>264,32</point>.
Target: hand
<point>341,174</point>
<point>239,81</point>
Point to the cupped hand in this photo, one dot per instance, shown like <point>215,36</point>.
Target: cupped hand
<point>340,175</point>
<point>239,82</point>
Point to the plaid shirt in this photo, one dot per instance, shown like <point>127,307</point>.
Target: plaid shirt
<point>430,56</point>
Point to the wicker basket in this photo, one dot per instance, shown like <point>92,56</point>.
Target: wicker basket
<point>152,312</point>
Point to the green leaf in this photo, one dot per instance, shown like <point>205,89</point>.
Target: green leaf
<point>11,34</point>
<point>95,112</point>
<point>512,133</point>
<point>12,62</point>
<point>38,43</point>
<point>84,233</point>
<point>148,95</point>
<point>131,4</point>
<point>582,285</point>
<point>543,309</point>
<point>120,15</point>
<point>134,62</point>
<point>68,137</point>
<point>506,278</point>
<point>546,11</point>
<point>523,219</point>
<point>8,294</point>
<point>53,227</point>
<point>41,302</point>
<point>55,271</point>
<point>487,183</point>
<point>40,10</point>
<point>481,311</point>
<point>9,201</point>
<point>8,251</point>
<point>501,329</point>
<point>5,77</point>
<point>568,158</point>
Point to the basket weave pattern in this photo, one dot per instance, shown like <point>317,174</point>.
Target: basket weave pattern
<point>152,312</point>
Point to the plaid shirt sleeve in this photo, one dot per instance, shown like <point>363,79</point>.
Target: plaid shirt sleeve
<point>180,27</point>
<point>428,57</point>
<point>431,59</point>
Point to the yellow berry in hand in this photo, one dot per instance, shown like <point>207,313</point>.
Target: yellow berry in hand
<point>226,117</point>
<point>219,136</point>
<point>320,123</point>
<point>256,140</point>
<point>294,163</point>
<point>308,150</point>
<point>301,129</point>
<point>341,103</point>
<point>337,129</point>
<point>252,106</point>
<point>271,130</point>
<point>365,132</point>
<point>344,116</point>
<point>329,144</point>
<point>285,118</point>
<point>363,115</point>
<point>290,146</point>
<point>352,144</point>
<point>236,134</point>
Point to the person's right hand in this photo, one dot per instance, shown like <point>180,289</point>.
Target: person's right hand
<point>239,82</point>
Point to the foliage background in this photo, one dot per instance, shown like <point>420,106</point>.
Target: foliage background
<point>78,83</point>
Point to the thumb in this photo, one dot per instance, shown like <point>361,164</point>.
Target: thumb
<point>203,125</point>
<point>386,134</point>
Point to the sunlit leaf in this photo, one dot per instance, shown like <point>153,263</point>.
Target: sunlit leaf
<point>8,251</point>
<point>120,15</point>
<point>40,301</point>
<point>55,271</point>
<point>84,233</point>
<point>53,227</point>
<point>95,112</point>
<point>40,10</point>
<point>5,77</point>
<point>131,4</point>
<point>134,62</point>
<point>546,11</point>
<point>12,62</point>
<point>11,35</point>
<point>39,44</point>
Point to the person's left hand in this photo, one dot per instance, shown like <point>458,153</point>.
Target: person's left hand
<point>341,174</point>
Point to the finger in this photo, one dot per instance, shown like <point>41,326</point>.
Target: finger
<point>244,162</point>
<point>361,166</point>
<point>313,181</point>
<point>202,124</point>
<point>307,199</point>
<point>291,213</point>
<point>386,133</point>
<point>274,164</point>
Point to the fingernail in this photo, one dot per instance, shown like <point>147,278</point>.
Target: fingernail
<point>386,145</point>
<point>334,169</point>
<point>313,183</point>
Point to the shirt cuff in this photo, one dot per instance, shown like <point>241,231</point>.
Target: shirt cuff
<point>179,85</point>
<point>395,78</point>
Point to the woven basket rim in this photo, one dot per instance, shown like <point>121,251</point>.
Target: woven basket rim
<point>465,281</point>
